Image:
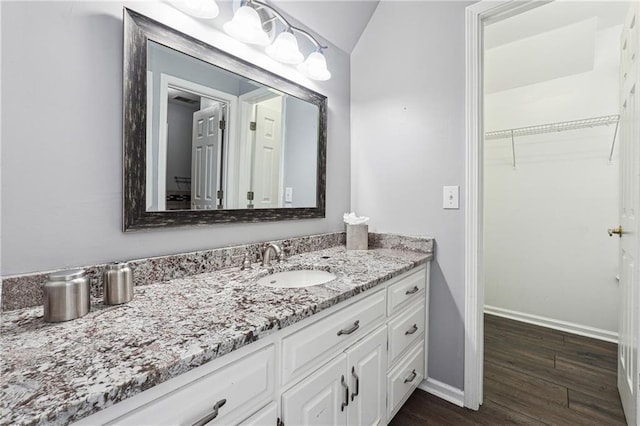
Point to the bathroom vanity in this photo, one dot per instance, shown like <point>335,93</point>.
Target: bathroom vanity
<point>217,346</point>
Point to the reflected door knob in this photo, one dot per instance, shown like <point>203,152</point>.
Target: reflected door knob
<point>617,230</point>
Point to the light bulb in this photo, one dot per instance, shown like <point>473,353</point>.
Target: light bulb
<point>205,9</point>
<point>246,26</point>
<point>315,67</point>
<point>285,49</point>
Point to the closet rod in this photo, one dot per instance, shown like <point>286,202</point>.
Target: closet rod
<point>554,127</point>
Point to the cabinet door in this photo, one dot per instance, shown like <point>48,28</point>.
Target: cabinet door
<point>367,364</point>
<point>319,399</point>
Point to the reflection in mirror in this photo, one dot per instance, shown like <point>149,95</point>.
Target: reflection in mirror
<point>222,141</point>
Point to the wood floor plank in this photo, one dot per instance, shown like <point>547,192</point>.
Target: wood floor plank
<point>544,389</point>
<point>532,376</point>
<point>608,411</point>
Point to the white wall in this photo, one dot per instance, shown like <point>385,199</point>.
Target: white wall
<point>547,252</point>
<point>407,137</point>
<point>62,138</point>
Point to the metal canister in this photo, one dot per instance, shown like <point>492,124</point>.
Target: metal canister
<point>66,295</point>
<point>118,283</point>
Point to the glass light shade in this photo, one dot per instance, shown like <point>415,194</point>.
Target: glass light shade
<point>206,9</point>
<point>246,26</point>
<point>315,67</point>
<point>285,49</point>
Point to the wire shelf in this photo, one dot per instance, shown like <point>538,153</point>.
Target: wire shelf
<point>553,127</point>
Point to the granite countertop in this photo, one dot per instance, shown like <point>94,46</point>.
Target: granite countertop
<point>60,373</point>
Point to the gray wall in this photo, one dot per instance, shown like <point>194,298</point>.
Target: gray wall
<point>407,141</point>
<point>62,138</point>
<point>301,150</point>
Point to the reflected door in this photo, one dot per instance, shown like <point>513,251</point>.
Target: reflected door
<point>204,157</point>
<point>267,154</point>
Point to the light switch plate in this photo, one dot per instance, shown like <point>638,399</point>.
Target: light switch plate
<point>451,197</point>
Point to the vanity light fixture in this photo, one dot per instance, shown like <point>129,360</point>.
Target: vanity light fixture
<point>247,26</point>
<point>204,9</point>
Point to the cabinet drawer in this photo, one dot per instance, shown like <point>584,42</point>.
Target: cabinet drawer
<point>409,287</point>
<point>246,384</point>
<point>307,348</point>
<point>404,378</point>
<point>268,416</point>
<point>406,329</point>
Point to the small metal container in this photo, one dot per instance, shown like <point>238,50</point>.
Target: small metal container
<point>66,295</point>
<point>357,237</point>
<point>118,283</point>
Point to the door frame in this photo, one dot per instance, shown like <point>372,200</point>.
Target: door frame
<point>476,15</point>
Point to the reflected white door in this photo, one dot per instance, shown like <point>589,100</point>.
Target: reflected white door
<point>629,326</point>
<point>204,158</point>
<point>267,155</point>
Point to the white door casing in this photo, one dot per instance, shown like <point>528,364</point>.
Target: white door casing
<point>629,325</point>
<point>204,158</point>
<point>267,156</point>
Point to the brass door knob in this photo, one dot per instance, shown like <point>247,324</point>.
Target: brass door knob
<point>617,230</point>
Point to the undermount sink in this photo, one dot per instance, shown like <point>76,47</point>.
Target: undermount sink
<point>296,279</point>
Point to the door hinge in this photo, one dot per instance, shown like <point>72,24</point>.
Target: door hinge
<point>220,194</point>
<point>250,195</point>
<point>252,125</point>
<point>223,124</point>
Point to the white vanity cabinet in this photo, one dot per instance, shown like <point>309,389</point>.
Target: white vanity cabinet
<point>355,363</point>
<point>348,390</point>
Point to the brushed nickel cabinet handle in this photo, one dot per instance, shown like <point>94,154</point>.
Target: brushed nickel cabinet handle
<point>413,290</point>
<point>355,376</point>
<point>356,325</point>
<point>411,377</point>
<point>412,330</point>
<point>212,415</point>
<point>346,393</point>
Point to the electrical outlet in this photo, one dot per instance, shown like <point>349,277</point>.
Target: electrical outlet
<point>451,197</point>
<point>288,194</point>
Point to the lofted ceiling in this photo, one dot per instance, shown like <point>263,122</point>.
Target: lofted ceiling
<point>340,22</point>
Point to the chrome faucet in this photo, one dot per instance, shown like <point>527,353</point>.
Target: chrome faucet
<point>266,253</point>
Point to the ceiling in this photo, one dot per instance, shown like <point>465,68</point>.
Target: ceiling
<point>552,16</point>
<point>339,22</point>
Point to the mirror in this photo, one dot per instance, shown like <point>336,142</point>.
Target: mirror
<point>209,138</point>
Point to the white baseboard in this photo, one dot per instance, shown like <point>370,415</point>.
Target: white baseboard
<point>581,330</point>
<point>443,390</point>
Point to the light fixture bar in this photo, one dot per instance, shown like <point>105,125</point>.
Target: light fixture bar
<point>286,23</point>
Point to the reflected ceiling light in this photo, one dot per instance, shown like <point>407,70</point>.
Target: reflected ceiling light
<point>205,9</point>
<point>315,67</point>
<point>246,26</point>
<point>285,49</point>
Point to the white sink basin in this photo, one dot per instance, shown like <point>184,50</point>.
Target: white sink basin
<point>295,279</point>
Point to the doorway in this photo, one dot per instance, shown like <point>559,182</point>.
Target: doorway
<point>477,16</point>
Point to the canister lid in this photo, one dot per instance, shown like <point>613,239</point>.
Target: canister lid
<point>114,266</point>
<point>66,275</point>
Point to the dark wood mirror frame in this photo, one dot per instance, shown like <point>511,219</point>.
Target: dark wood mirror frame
<point>138,29</point>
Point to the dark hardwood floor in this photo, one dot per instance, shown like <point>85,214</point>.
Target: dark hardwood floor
<point>532,375</point>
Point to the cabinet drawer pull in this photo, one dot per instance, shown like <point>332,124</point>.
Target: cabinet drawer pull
<point>413,290</point>
<point>353,373</point>
<point>411,377</point>
<point>346,393</point>
<point>356,325</point>
<point>212,415</point>
<point>412,330</point>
